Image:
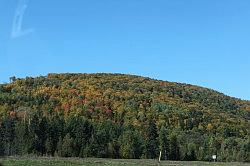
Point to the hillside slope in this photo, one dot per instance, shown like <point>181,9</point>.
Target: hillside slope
<point>148,112</point>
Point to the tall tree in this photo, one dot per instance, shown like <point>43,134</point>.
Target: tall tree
<point>164,143</point>
<point>131,144</point>
<point>151,141</point>
<point>174,150</point>
<point>68,147</point>
<point>80,130</point>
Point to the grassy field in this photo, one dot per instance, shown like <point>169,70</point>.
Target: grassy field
<point>14,161</point>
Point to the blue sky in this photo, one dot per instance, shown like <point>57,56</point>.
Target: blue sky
<point>205,43</point>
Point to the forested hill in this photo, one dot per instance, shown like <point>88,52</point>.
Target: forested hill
<point>121,116</point>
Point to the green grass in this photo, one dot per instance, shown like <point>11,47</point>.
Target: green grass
<point>46,161</point>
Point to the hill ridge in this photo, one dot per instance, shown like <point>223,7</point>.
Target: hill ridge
<point>121,116</point>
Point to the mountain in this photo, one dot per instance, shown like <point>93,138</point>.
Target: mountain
<point>121,116</point>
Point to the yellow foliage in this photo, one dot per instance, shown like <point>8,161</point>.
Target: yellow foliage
<point>209,127</point>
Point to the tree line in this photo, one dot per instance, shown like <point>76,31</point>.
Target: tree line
<point>79,137</point>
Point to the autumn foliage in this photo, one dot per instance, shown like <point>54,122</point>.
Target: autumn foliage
<point>121,116</point>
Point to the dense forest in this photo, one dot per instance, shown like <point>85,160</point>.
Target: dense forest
<point>121,116</point>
